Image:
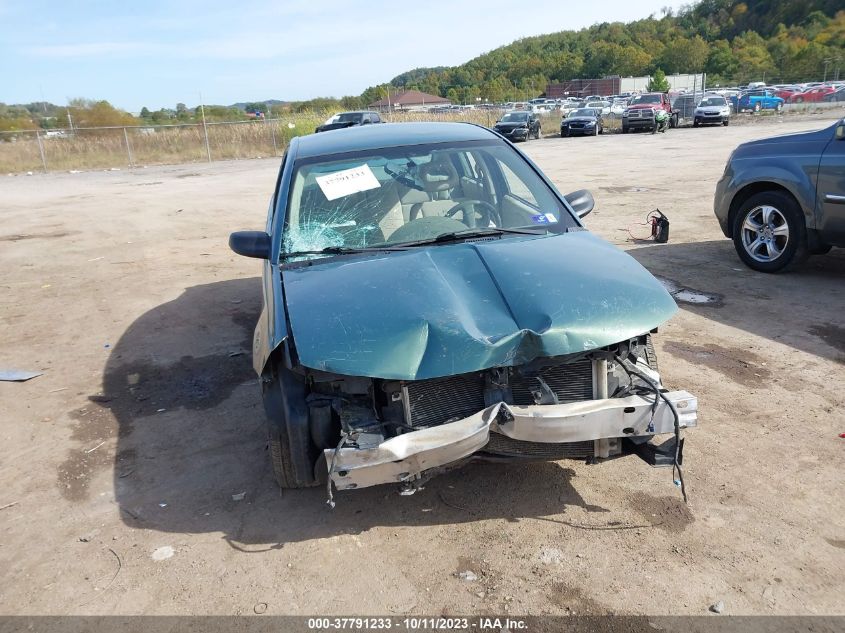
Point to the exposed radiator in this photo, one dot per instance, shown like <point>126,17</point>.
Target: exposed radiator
<point>440,400</point>
<point>570,382</point>
<point>503,445</point>
<point>433,402</point>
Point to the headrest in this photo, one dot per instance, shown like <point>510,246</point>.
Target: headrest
<point>439,174</point>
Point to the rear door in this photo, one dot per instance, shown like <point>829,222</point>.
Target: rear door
<point>831,191</point>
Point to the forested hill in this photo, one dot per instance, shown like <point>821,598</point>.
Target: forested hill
<point>772,40</point>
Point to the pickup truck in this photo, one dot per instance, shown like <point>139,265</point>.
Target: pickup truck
<point>757,100</point>
<point>640,113</point>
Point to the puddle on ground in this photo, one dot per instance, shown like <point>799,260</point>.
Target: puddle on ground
<point>689,295</point>
<point>738,364</point>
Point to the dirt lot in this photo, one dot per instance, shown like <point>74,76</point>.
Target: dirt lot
<point>119,287</point>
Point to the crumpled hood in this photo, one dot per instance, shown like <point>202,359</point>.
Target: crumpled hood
<point>452,309</point>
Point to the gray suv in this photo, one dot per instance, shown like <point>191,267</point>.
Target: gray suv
<point>783,198</point>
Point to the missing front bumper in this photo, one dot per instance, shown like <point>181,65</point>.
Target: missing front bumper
<point>407,457</point>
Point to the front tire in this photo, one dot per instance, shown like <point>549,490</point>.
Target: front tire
<point>292,450</point>
<point>696,123</point>
<point>725,123</point>
<point>757,107</point>
<point>625,129</point>
<point>769,232</point>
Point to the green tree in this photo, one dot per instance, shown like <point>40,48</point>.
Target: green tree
<point>685,55</point>
<point>145,113</point>
<point>658,82</point>
<point>721,60</point>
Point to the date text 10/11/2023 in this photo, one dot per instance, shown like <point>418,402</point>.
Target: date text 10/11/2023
<point>417,623</point>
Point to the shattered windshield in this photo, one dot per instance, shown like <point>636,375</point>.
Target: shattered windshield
<point>395,196</point>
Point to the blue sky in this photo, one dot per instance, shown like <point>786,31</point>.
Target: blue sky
<point>150,53</point>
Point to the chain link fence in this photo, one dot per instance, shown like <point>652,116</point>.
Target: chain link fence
<point>135,146</point>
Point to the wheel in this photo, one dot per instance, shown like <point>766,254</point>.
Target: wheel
<point>654,129</point>
<point>601,130</point>
<point>696,123</point>
<point>725,122</point>
<point>757,107</point>
<point>539,134</point>
<point>779,107</point>
<point>673,121</point>
<point>624,129</point>
<point>293,453</point>
<point>564,134</point>
<point>799,100</point>
<point>596,130</point>
<point>769,233</point>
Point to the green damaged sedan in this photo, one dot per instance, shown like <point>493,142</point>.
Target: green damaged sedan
<point>430,298</point>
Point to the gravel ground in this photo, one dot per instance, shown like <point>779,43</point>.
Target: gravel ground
<point>122,464</point>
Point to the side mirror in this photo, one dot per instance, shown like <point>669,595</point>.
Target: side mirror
<point>250,244</point>
<point>581,201</point>
<point>840,131</point>
<point>366,122</point>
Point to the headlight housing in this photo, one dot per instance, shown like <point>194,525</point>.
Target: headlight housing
<point>625,112</point>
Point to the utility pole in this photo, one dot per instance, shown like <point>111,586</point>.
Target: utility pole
<point>205,130</point>
<point>826,64</point>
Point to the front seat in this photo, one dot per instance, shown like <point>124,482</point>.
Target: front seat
<point>439,178</point>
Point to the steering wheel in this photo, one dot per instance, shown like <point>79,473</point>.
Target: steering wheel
<point>472,208</point>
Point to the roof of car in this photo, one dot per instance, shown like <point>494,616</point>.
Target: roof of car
<point>369,137</point>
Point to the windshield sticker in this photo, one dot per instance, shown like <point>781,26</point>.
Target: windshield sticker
<point>544,218</point>
<point>348,181</point>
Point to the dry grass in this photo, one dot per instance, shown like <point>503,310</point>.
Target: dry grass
<point>105,148</point>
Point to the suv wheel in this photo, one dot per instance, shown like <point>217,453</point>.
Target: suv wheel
<point>769,232</point>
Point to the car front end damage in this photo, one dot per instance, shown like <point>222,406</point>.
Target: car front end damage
<point>590,406</point>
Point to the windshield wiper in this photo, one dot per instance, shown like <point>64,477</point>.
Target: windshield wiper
<point>342,250</point>
<point>469,233</point>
